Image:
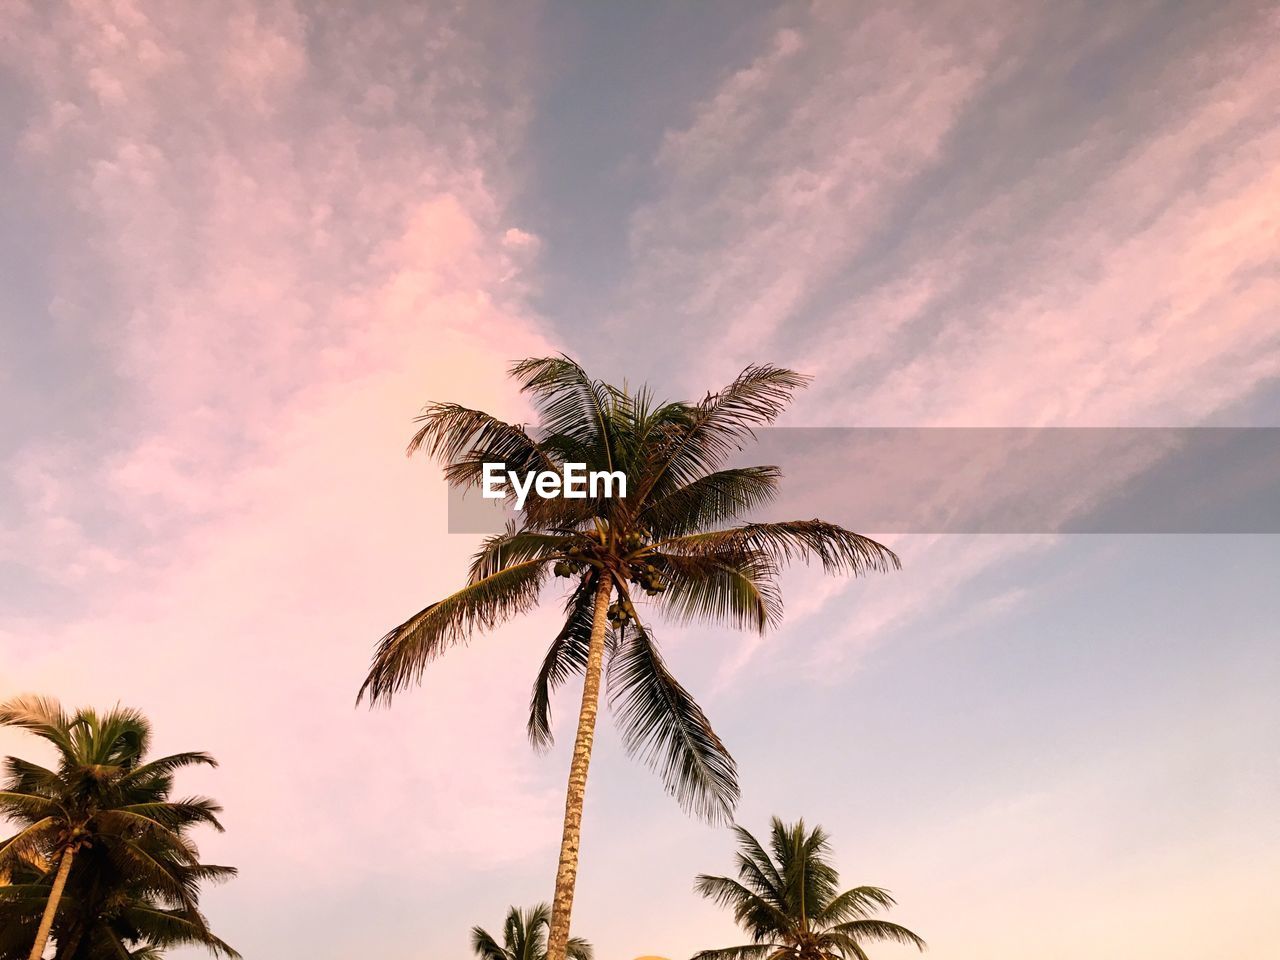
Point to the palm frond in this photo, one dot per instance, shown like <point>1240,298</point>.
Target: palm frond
<point>524,937</point>
<point>42,716</point>
<point>26,807</point>
<point>881,930</point>
<point>839,945</point>
<point>463,440</point>
<point>752,912</point>
<point>485,947</point>
<point>147,870</point>
<point>757,869</point>
<point>855,904</point>
<point>172,928</point>
<point>837,549</point>
<point>29,842</point>
<point>514,546</point>
<point>809,878</point>
<point>717,426</point>
<point>730,586</point>
<point>176,815</point>
<point>663,725</point>
<point>403,653</point>
<point>36,894</point>
<point>23,776</point>
<point>709,500</point>
<point>566,657</point>
<point>571,404</point>
<point>449,432</point>
<point>750,951</point>
<point>212,872</point>
<point>126,821</point>
<point>117,738</point>
<point>163,767</point>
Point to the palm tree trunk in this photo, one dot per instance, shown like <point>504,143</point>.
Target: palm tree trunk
<point>51,908</point>
<point>567,871</point>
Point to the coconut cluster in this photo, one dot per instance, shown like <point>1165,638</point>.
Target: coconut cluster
<point>620,611</point>
<point>649,579</point>
<point>641,572</point>
<point>567,568</point>
<point>575,559</point>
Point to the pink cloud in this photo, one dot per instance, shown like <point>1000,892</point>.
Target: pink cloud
<point>285,281</point>
<point>285,232</point>
<point>1144,299</point>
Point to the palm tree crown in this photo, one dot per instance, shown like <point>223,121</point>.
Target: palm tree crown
<point>791,905</point>
<point>664,538</point>
<point>100,845</point>
<point>524,937</point>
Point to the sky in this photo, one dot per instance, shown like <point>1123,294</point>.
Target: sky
<point>242,243</point>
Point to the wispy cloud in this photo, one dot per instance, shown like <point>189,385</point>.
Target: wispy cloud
<point>940,252</point>
<point>788,168</point>
<point>285,230</point>
<point>273,230</point>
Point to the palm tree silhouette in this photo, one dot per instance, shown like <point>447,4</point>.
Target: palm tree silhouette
<point>666,538</point>
<point>103,826</point>
<point>790,904</point>
<point>524,937</point>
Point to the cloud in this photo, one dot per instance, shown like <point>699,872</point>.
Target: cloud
<point>786,168</point>
<point>285,236</point>
<point>276,230</point>
<point>236,232</point>
<point>972,241</point>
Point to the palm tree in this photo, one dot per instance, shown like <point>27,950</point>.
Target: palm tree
<point>99,839</point>
<point>667,537</point>
<point>524,937</point>
<point>102,914</point>
<point>790,905</point>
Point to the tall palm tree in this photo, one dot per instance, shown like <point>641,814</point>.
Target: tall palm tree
<point>790,902</point>
<point>524,937</point>
<point>667,537</point>
<point>103,826</point>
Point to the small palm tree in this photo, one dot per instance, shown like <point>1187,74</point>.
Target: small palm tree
<point>790,902</point>
<point>666,537</point>
<point>524,937</point>
<point>103,827</point>
<point>104,914</point>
